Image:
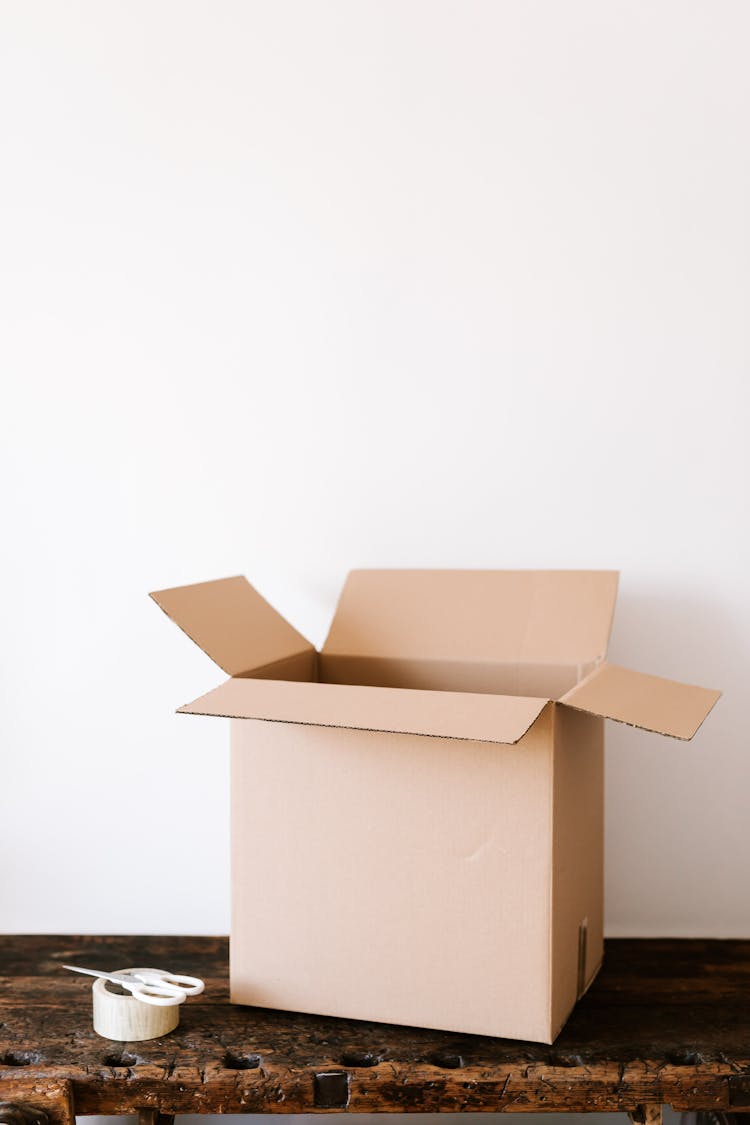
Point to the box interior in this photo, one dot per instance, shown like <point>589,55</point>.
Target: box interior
<point>504,633</point>
<point>519,633</point>
<point>548,681</point>
<point>517,637</point>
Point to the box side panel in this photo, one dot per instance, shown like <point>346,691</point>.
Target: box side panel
<point>578,857</point>
<point>393,878</point>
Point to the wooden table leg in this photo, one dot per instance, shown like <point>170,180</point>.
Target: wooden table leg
<point>650,1114</point>
<point>154,1117</point>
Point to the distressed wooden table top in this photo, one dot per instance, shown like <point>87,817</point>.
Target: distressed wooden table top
<point>666,1022</point>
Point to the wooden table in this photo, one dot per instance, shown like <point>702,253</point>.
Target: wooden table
<point>666,1022</point>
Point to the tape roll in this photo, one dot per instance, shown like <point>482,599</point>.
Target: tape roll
<point>121,1017</point>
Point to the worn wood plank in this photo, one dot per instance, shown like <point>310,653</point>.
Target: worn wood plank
<point>40,1097</point>
<point>665,1022</point>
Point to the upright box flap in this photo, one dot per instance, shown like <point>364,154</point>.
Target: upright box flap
<point>232,623</point>
<point>649,702</point>
<point>496,616</point>
<point>442,714</point>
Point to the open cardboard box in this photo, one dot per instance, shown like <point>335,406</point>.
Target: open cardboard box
<point>417,809</point>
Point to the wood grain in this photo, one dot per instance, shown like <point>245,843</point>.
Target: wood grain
<point>665,1022</point>
<point>45,1099</point>
<point>121,1017</point>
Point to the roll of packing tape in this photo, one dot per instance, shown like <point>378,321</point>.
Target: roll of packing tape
<point>118,1015</point>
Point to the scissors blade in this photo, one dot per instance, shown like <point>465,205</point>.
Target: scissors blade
<point>117,977</point>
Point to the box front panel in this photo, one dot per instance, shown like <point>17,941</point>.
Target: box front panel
<point>393,877</point>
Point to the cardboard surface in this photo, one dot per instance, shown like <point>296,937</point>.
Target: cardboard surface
<point>392,878</point>
<point>548,681</point>
<point>478,718</point>
<point>577,857</point>
<point>650,702</point>
<point>452,880</point>
<point>232,623</point>
<point>498,616</point>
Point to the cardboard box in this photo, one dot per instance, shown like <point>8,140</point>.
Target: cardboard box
<point>417,809</point>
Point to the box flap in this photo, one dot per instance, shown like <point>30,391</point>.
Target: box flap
<point>501,616</point>
<point>442,714</point>
<point>232,623</point>
<point>649,702</point>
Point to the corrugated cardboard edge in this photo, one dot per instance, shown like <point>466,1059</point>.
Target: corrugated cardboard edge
<point>437,714</point>
<point>651,703</point>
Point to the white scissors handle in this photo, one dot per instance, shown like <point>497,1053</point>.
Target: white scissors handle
<point>161,979</point>
<point>166,996</point>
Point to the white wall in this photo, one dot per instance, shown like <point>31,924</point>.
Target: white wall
<point>287,288</point>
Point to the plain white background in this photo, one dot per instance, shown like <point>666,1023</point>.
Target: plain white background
<point>287,288</point>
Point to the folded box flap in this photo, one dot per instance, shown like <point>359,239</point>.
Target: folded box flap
<point>232,623</point>
<point>441,714</point>
<point>495,616</point>
<point>650,702</point>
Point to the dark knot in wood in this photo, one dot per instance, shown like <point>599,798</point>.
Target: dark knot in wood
<point>11,1114</point>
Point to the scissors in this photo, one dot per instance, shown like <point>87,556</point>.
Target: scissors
<point>152,986</point>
